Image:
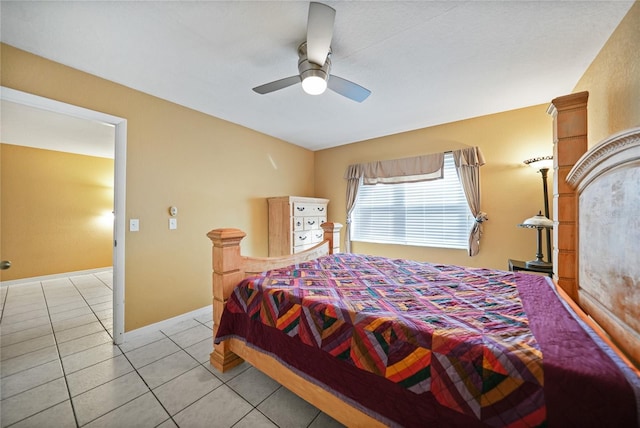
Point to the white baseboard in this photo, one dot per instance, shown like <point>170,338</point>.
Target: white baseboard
<point>53,276</point>
<point>167,323</point>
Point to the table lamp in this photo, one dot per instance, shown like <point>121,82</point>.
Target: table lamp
<point>542,165</point>
<point>538,222</point>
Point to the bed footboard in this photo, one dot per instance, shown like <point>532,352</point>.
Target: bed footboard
<point>230,267</point>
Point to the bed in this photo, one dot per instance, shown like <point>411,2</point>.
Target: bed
<point>387,342</point>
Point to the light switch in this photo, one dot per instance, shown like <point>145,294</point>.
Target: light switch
<point>134,225</point>
<point>173,223</point>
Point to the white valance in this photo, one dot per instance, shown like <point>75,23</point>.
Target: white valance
<point>407,170</point>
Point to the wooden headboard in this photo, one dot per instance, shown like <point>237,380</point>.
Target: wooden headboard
<point>607,217</point>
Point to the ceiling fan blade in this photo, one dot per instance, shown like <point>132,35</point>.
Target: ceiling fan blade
<point>348,89</point>
<point>277,85</point>
<point>319,32</point>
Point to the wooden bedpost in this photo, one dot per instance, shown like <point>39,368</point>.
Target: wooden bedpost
<point>227,273</point>
<point>332,234</point>
<point>569,144</point>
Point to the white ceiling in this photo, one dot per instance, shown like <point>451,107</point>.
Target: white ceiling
<point>426,62</point>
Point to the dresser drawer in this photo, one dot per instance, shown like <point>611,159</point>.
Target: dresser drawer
<point>311,223</point>
<point>302,238</point>
<point>320,209</point>
<point>298,224</point>
<point>317,236</point>
<point>304,209</point>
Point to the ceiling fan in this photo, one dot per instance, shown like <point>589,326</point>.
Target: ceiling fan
<point>314,63</point>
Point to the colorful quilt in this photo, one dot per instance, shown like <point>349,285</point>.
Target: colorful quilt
<point>458,335</point>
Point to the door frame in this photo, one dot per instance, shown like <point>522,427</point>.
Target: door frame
<point>119,187</point>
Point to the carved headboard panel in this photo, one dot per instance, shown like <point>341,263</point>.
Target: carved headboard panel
<point>607,181</point>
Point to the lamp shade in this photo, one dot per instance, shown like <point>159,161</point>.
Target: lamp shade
<point>537,221</point>
<point>544,162</point>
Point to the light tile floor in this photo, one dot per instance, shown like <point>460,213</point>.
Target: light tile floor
<point>60,368</point>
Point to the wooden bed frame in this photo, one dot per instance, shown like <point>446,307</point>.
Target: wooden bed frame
<point>607,181</point>
<point>592,221</point>
<point>580,255</point>
<point>229,268</point>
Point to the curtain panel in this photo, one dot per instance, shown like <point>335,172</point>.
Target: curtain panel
<point>421,168</point>
<point>468,162</point>
<point>354,177</point>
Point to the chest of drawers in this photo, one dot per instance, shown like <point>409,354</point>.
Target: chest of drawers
<point>294,223</point>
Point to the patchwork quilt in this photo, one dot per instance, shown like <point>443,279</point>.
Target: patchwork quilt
<point>461,334</point>
<point>458,339</point>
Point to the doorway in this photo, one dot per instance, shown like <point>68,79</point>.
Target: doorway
<point>120,151</point>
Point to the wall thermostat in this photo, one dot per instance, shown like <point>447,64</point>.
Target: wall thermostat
<point>173,211</point>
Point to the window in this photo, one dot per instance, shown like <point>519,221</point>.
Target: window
<point>427,213</point>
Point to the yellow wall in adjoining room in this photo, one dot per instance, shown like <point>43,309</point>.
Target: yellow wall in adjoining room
<point>613,81</point>
<point>57,212</point>
<point>511,191</point>
<point>217,173</point>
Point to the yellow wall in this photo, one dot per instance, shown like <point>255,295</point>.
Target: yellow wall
<point>57,211</point>
<point>613,81</point>
<point>511,191</point>
<point>217,173</point>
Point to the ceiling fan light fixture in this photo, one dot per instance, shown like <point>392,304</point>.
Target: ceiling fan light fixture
<point>314,71</point>
<point>314,82</point>
<point>313,76</point>
<point>314,85</point>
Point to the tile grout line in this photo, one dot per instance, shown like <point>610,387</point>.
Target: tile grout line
<point>226,383</point>
<point>136,370</point>
<point>59,359</point>
<point>92,311</point>
<point>145,382</point>
<point>256,406</point>
<point>60,294</point>
<point>199,365</point>
<point>75,416</point>
<point>4,304</point>
<point>64,373</point>
<point>123,404</point>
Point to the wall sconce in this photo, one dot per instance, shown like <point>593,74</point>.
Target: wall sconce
<point>538,222</point>
<point>542,165</point>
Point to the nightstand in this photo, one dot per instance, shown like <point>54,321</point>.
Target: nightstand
<point>516,265</point>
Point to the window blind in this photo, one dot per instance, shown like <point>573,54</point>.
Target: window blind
<point>428,213</point>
